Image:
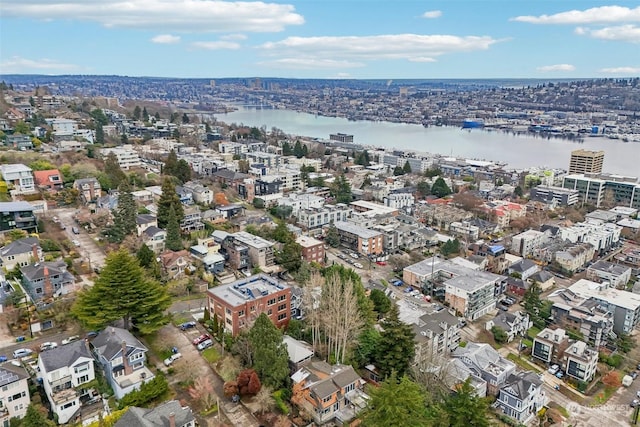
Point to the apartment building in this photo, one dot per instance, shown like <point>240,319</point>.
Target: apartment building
<point>437,334</point>
<point>304,201</point>
<point>17,215</point>
<point>574,257</point>
<point>580,361</point>
<point>601,235</point>
<point>624,190</point>
<point>559,195</point>
<point>624,305</point>
<point>464,230</point>
<point>584,316</point>
<point>126,156</point>
<point>260,251</point>
<point>19,178</point>
<point>399,200</point>
<point>312,249</point>
<point>360,239</point>
<point>525,243</point>
<point>238,304</point>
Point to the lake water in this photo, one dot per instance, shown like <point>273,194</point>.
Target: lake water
<point>518,151</point>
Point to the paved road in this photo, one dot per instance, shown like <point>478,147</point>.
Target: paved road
<point>34,344</point>
<point>88,247</point>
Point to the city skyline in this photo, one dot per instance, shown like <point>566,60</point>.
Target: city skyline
<point>321,39</point>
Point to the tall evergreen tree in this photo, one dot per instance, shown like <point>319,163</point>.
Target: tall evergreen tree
<point>174,241</point>
<point>396,346</point>
<point>397,403</point>
<point>287,150</point>
<point>145,256</point>
<point>341,190</point>
<point>440,188</point>
<point>33,418</point>
<point>169,198</point>
<point>183,171</point>
<point>136,112</point>
<point>145,114</point>
<point>171,164</point>
<point>124,216</point>
<point>99,134</point>
<point>297,149</point>
<point>270,357</point>
<point>114,173</point>
<point>185,118</point>
<point>464,408</point>
<point>333,237</point>
<point>123,292</point>
<point>407,167</point>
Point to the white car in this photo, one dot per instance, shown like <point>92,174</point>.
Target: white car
<point>72,338</point>
<point>48,346</point>
<point>357,265</point>
<point>169,360</point>
<point>22,352</point>
<point>553,369</point>
<point>204,345</point>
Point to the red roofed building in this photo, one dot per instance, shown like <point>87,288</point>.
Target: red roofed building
<point>48,180</point>
<point>505,212</point>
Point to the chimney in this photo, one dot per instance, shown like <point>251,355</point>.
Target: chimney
<point>48,287</point>
<point>125,360</point>
<point>34,252</point>
<point>172,419</point>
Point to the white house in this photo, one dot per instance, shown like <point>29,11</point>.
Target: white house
<point>14,392</point>
<point>63,371</point>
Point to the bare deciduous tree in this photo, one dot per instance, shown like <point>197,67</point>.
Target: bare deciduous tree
<point>264,400</point>
<point>202,391</point>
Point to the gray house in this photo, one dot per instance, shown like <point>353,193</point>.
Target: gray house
<point>122,358</point>
<point>486,363</point>
<point>521,397</point>
<point>169,414</point>
<point>47,279</point>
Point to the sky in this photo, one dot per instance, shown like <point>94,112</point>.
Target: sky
<point>359,39</point>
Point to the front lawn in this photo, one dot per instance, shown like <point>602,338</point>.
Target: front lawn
<point>522,363</point>
<point>211,355</point>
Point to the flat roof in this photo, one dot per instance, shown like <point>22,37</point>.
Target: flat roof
<point>588,289</point>
<point>252,240</point>
<point>15,167</point>
<point>362,232</point>
<point>308,241</point>
<point>15,206</point>
<point>466,275</point>
<point>250,289</point>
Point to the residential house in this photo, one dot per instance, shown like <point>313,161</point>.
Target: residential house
<point>329,392</point>
<point>524,269</point>
<point>464,230</point>
<point>514,324</point>
<point>200,193</point>
<point>126,156</point>
<point>14,392</point>
<point>19,142</point>
<point>618,275</point>
<point>486,363</point>
<point>18,177</point>
<point>122,358</point>
<point>185,195</point>
<point>300,353</point>
<point>192,219</point>
<point>517,286</point>
<point>174,264</point>
<point>549,345</point>
<point>360,239</point>
<point>89,188</point>
<point>312,249</point>
<point>522,397</point>
<point>580,361</point>
<point>155,238</point>
<point>238,304</point>
<point>144,221</point>
<point>212,260</point>
<point>544,279</point>
<point>20,253</point>
<point>494,254</point>
<point>17,215</point>
<point>64,370</point>
<point>50,180</point>
<point>167,414</point>
<point>47,279</point>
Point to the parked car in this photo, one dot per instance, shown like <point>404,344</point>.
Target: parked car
<point>554,369</point>
<point>201,338</point>
<point>357,265</point>
<point>634,403</point>
<point>22,352</point>
<point>75,230</point>
<point>72,338</point>
<point>76,242</point>
<point>169,360</point>
<point>48,346</point>
<point>3,359</point>
<point>634,375</point>
<point>354,255</point>
<point>91,335</point>
<point>204,345</point>
<point>382,263</point>
<point>187,325</point>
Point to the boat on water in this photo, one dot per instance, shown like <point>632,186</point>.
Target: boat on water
<point>472,124</point>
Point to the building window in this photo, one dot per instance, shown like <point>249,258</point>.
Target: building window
<point>228,321</point>
<point>282,297</point>
<point>269,312</point>
<point>241,313</point>
<point>282,316</point>
<point>326,399</point>
<point>83,379</point>
<point>137,356</point>
<point>282,307</point>
<point>271,301</point>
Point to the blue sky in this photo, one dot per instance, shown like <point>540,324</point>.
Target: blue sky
<point>322,38</point>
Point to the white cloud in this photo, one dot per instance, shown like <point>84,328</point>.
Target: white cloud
<point>167,15</point>
<point>166,39</point>
<point>17,64</point>
<point>627,71</point>
<point>431,14</point>
<point>309,64</point>
<point>625,33</point>
<point>596,15</point>
<point>215,45</point>
<point>556,67</point>
<point>412,47</point>
<point>233,37</point>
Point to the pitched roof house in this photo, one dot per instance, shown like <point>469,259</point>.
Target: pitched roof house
<point>122,358</point>
<point>521,397</point>
<point>168,414</point>
<point>63,371</point>
<point>47,279</point>
<point>49,179</point>
<point>21,253</point>
<point>14,392</point>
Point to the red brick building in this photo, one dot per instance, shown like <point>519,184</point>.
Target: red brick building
<point>239,304</point>
<point>312,249</point>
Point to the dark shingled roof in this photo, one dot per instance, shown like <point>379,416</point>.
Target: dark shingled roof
<point>10,373</point>
<point>156,417</point>
<point>65,355</point>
